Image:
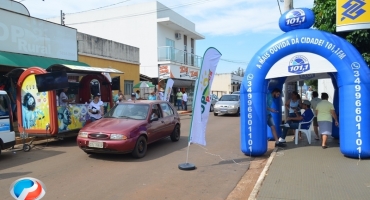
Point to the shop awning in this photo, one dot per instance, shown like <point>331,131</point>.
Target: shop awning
<point>81,69</point>
<point>140,84</point>
<point>26,61</point>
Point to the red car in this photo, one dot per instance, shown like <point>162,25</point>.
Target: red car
<point>129,127</point>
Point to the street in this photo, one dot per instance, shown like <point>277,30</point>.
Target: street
<point>69,173</point>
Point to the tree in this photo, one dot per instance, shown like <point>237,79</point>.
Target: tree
<point>312,83</point>
<point>325,13</point>
<point>239,72</point>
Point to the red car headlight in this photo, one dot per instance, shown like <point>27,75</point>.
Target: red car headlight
<point>118,137</point>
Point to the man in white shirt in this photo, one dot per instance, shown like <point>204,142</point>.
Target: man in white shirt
<point>96,108</point>
<point>185,100</point>
<point>133,97</point>
<point>63,98</point>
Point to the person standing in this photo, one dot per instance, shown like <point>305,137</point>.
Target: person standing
<point>185,100</point>
<point>309,93</point>
<point>314,103</point>
<point>161,94</point>
<point>325,112</point>
<point>63,98</point>
<point>270,122</point>
<point>96,108</point>
<point>137,94</point>
<point>120,99</point>
<point>179,99</point>
<point>152,96</point>
<point>133,97</point>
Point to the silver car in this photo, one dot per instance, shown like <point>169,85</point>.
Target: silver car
<point>214,99</point>
<point>228,104</point>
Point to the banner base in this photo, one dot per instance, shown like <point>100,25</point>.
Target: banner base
<point>187,166</point>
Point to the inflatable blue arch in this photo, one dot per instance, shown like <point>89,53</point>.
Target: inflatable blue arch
<point>351,82</point>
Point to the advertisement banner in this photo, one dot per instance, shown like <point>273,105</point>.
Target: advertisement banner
<point>178,72</point>
<point>352,15</point>
<point>167,92</point>
<point>27,35</point>
<point>72,117</point>
<point>202,98</point>
<point>35,105</point>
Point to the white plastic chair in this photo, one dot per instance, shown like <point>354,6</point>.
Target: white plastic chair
<point>305,131</point>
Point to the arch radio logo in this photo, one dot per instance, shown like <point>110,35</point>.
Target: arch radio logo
<point>27,189</point>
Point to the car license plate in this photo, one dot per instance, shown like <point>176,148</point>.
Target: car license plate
<point>223,111</point>
<point>96,144</point>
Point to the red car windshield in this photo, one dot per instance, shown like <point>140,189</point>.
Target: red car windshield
<point>129,111</point>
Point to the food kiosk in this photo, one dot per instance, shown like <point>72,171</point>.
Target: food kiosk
<point>38,110</point>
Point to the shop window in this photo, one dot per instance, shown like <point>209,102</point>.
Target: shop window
<point>129,87</point>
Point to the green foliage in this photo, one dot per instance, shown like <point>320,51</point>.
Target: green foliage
<point>325,13</point>
<point>312,83</point>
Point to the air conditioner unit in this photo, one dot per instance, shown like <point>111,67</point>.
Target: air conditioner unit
<point>178,36</point>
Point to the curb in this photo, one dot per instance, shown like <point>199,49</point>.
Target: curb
<point>259,182</point>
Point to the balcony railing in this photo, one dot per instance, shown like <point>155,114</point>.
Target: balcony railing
<point>167,53</point>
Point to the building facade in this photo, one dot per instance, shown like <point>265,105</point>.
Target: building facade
<point>105,53</point>
<point>167,41</point>
<point>225,83</point>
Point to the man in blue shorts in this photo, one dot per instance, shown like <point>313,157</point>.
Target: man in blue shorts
<point>270,122</point>
<point>292,121</point>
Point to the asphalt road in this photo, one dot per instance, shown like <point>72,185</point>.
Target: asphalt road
<point>69,173</point>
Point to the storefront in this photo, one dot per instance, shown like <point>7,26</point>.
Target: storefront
<point>184,79</point>
<point>30,42</point>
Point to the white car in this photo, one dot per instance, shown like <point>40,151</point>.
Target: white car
<point>7,135</point>
<point>228,104</point>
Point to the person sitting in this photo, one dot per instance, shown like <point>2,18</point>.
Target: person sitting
<point>294,121</point>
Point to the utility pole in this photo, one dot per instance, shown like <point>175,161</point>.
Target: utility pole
<point>288,5</point>
<point>62,17</point>
<point>288,87</point>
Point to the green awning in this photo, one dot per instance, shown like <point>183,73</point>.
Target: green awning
<point>26,61</point>
<point>148,84</point>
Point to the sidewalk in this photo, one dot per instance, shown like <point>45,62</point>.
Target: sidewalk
<point>306,171</point>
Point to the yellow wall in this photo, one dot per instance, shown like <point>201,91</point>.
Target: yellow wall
<point>131,71</point>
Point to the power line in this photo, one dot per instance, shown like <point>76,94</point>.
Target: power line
<point>279,6</point>
<point>98,7</point>
<point>235,61</point>
<point>145,13</point>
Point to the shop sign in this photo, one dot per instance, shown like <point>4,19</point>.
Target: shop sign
<point>27,35</point>
<point>164,72</point>
<point>178,72</point>
<point>352,15</point>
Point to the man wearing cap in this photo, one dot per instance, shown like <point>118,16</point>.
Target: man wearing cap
<point>133,97</point>
<point>96,108</point>
<point>294,121</point>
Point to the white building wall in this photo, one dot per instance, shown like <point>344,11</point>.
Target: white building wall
<point>134,25</point>
<point>221,84</point>
<point>325,85</point>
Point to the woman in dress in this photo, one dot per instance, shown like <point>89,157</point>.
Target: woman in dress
<point>325,113</point>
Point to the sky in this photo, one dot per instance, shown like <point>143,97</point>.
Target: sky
<point>237,28</point>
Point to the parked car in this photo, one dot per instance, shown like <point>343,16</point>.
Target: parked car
<point>236,92</point>
<point>7,134</point>
<point>214,99</point>
<point>129,127</point>
<point>228,104</point>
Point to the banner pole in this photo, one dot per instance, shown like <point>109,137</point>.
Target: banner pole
<point>186,165</point>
